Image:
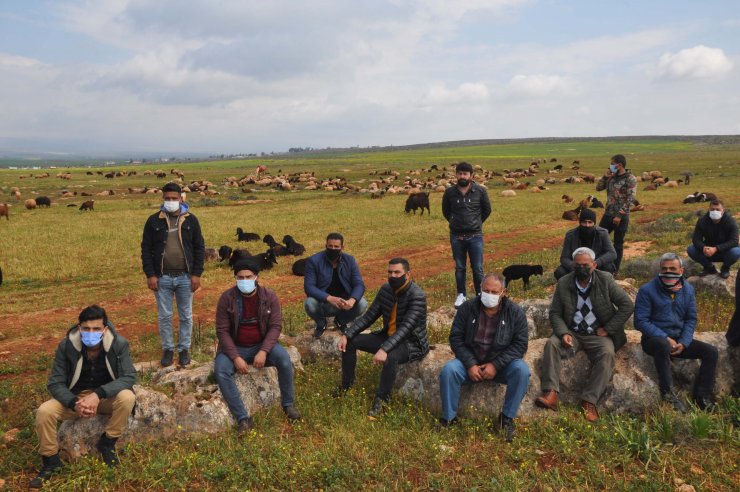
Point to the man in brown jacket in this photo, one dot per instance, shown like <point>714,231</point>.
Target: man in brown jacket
<point>248,325</point>
<point>588,313</point>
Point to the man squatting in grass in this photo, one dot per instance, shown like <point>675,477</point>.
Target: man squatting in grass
<point>248,326</point>
<point>92,374</point>
<point>466,207</point>
<point>715,239</point>
<point>172,255</point>
<point>403,338</point>
<point>489,338</point>
<point>333,286</point>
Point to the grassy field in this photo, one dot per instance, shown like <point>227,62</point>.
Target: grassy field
<point>59,260</point>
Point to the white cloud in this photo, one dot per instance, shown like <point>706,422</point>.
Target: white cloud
<point>7,60</point>
<point>541,85</point>
<point>468,92</point>
<point>699,62</point>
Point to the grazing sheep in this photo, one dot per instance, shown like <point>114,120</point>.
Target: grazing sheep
<point>567,198</point>
<point>595,202</point>
<point>224,252</point>
<point>299,267</point>
<point>508,193</point>
<point>515,272</point>
<point>572,214</point>
<point>276,247</point>
<point>651,187</point>
<point>559,167</point>
<point>294,248</point>
<point>88,205</point>
<point>417,200</point>
<point>30,204</point>
<point>246,236</point>
<point>43,201</point>
<point>5,211</point>
<point>211,254</point>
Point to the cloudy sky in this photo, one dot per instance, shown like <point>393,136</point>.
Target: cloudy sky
<point>251,76</point>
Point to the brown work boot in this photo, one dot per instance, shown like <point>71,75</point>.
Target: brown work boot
<point>548,399</point>
<point>590,411</point>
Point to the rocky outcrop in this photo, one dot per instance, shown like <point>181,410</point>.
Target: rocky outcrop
<point>179,401</point>
<point>715,285</point>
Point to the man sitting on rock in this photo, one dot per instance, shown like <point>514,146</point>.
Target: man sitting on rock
<point>334,286</point>
<point>588,235</point>
<point>248,326</point>
<point>402,339</point>
<point>92,374</point>
<point>588,312</point>
<point>665,313</point>
<point>489,337</point>
<point>715,240</point>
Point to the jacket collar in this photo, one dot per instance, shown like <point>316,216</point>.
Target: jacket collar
<point>75,337</point>
<point>163,215</point>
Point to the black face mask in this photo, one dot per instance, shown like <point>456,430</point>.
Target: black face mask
<point>586,233</point>
<point>333,254</point>
<point>396,282</point>
<point>582,272</point>
<point>463,182</point>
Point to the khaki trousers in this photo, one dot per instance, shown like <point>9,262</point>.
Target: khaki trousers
<point>51,412</point>
<point>600,351</point>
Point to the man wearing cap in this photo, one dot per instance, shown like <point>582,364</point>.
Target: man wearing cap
<point>248,325</point>
<point>621,188</point>
<point>172,256</point>
<point>591,236</point>
<point>588,312</point>
<point>466,207</point>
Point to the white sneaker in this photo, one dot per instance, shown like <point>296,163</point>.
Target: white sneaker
<point>460,300</point>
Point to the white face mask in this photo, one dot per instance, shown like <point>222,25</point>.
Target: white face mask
<point>489,300</point>
<point>171,206</point>
<point>715,214</point>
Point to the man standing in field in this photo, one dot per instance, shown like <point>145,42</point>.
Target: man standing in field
<point>403,337</point>
<point>92,374</point>
<point>172,255</point>
<point>333,286</point>
<point>621,188</point>
<point>466,207</point>
<point>715,240</point>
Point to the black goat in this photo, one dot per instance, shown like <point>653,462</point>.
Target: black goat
<point>299,267</point>
<point>417,200</point>
<point>294,248</point>
<point>276,247</point>
<point>238,254</point>
<point>595,202</point>
<point>515,272</point>
<point>224,252</point>
<point>43,201</point>
<point>246,236</point>
<point>264,260</point>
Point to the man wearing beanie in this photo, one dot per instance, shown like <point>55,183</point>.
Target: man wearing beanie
<point>590,236</point>
<point>466,206</point>
<point>248,326</point>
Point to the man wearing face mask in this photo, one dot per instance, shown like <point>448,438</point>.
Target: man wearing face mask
<point>92,374</point>
<point>588,235</point>
<point>333,286</point>
<point>588,312</point>
<point>248,326</point>
<point>466,207</point>
<point>665,314</point>
<point>489,337</point>
<point>172,255</point>
<point>403,338</point>
<point>715,240</point>
<point>621,188</point>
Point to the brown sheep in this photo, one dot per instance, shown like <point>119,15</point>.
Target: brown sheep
<point>30,204</point>
<point>651,187</point>
<point>567,198</point>
<point>88,205</point>
<point>522,186</point>
<point>586,202</point>
<point>5,211</point>
<point>572,214</point>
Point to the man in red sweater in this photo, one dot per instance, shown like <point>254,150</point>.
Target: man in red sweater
<point>248,325</point>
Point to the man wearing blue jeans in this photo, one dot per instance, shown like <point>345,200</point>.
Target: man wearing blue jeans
<point>172,256</point>
<point>333,286</point>
<point>715,240</point>
<point>248,326</point>
<point>466,206</point>
<point>489,337</point>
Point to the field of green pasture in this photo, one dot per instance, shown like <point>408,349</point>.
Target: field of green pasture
<point>59,260</point>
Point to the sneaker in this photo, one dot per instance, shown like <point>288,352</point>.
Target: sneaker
<point>107,448</point>
<point>377,407</point>
<point>675,401</point>
<point>340,391</point>
<point>292,413</point>
<point>708,271</point>
<point>244,426</point>
<point>319,330</point>
<point>51,465</point>
<point>460,300</point>
<point>724,273</point>
<point>507,425</point>
<point>167,356</point>
<point>183,358</point>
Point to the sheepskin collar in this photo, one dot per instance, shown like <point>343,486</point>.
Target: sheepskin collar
<point>75,337</point>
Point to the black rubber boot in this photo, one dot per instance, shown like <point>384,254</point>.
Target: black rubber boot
<point>51,464</point>
<point>107,448</point>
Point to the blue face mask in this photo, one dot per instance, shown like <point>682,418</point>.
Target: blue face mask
<point>91,338</point>
<point>246,286</point>
<point>613,168</point>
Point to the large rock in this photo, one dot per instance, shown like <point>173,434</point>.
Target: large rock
<point>196,406</point>
<point>715,285</point>
<point>633,388</point>
<point>316,349</point>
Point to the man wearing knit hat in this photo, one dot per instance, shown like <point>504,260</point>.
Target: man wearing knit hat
<point>591,236</point>
<point>466,206</point>
<point>248,326</point>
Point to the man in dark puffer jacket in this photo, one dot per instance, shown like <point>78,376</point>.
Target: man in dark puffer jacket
<point>402,339</point>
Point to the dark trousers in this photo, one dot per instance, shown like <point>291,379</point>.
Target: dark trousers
<point>660,349</point>
<point>371,343</point>
<point>619,232</point>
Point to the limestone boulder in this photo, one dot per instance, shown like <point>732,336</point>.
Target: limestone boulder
<point>715,285</point>
<point>316,349</point>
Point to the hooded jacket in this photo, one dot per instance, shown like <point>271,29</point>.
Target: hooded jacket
<point>660,314</point>
<point>67,366</point>
<point>466,213</point>
<point>155,238</point>
<point>722,235</point>
<point>228,319</point>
